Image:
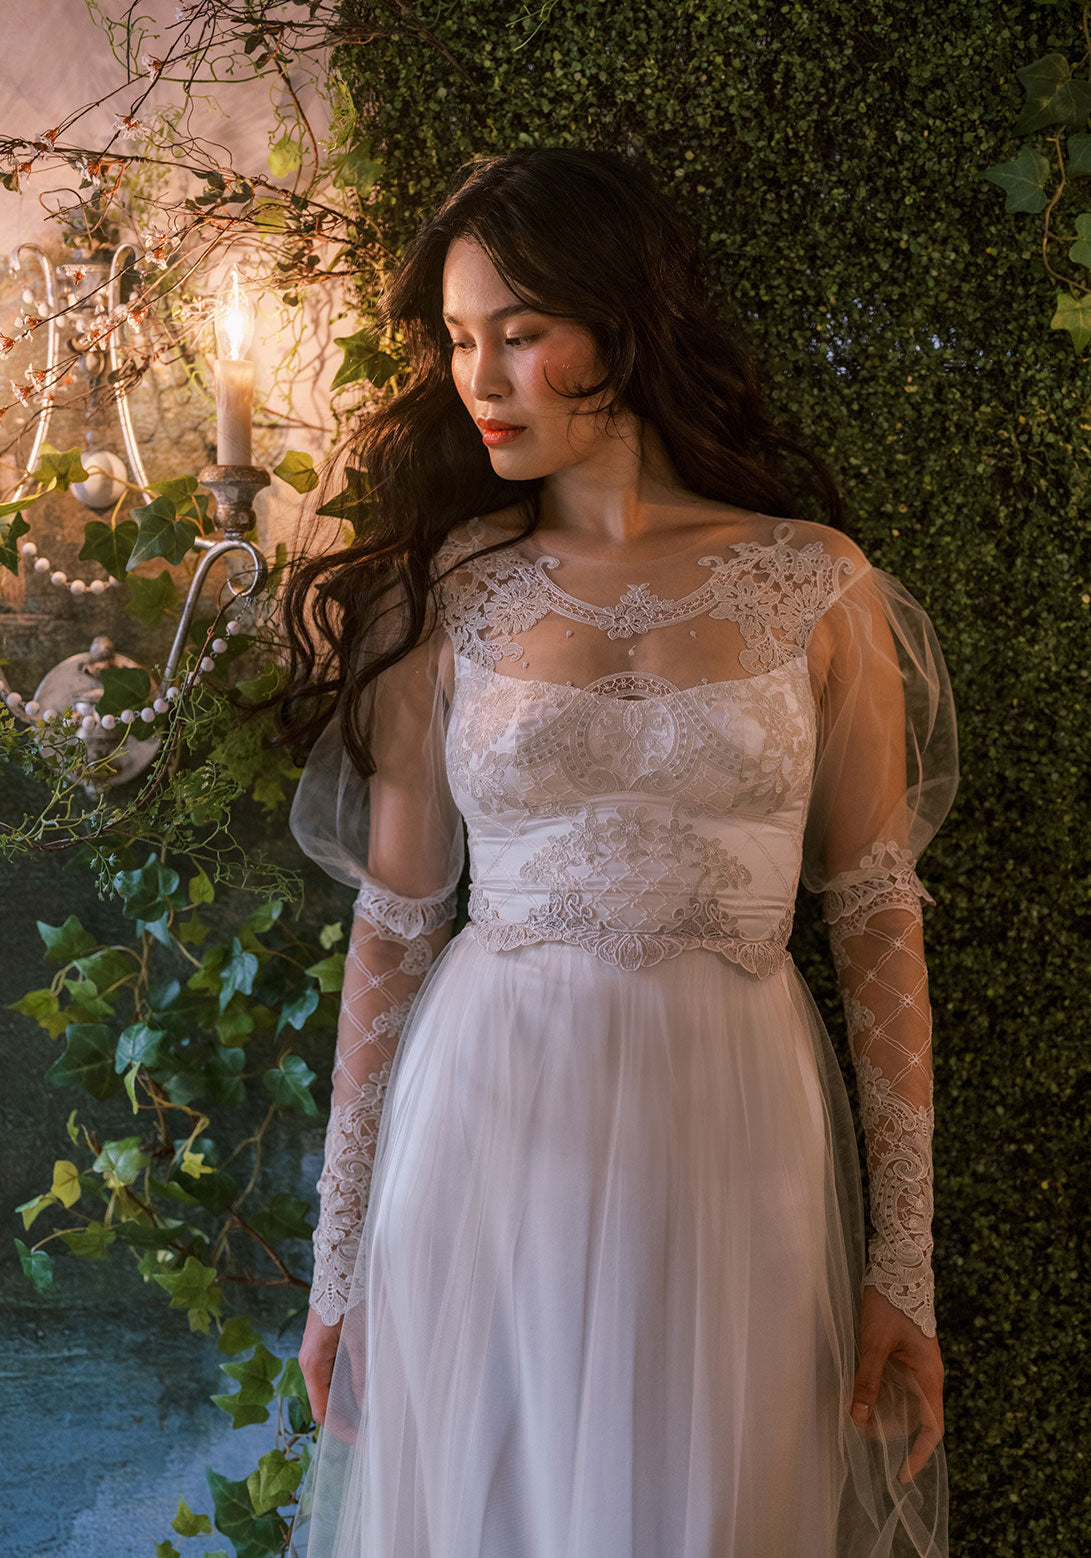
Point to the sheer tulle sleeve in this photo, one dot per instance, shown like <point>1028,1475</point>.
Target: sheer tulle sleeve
<point>885,776</point>
<point>397,838</point>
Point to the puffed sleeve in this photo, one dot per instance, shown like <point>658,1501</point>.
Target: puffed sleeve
<point>885,775</point>
<point>396,837</point>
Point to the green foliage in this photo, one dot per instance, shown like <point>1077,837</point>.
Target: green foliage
<point>161,533</point>
<point>297,469</point>
<point>10,532</point>
<point>110,545</point>
<point>364,358</point>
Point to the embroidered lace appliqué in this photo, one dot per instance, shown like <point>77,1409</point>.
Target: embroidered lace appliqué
<point>383,972</point>
<point>775,592</point>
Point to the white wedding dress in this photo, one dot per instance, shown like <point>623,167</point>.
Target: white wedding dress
<point>600,1256</point>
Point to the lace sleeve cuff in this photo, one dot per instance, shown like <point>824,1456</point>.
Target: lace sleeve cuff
<point>343,1188</point>
<point>899,1137</point>
<point>886,878</point>
<point>405,918</point>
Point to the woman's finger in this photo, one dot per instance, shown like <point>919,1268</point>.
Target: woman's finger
<point>865,1389</point>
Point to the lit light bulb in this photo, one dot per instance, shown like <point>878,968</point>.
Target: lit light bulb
<point>234,320</point>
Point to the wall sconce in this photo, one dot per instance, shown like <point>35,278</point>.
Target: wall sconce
<point>75,683</point>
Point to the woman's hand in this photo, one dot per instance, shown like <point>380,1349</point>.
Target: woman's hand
<point>886,1333</point>
<point>316,1354</point>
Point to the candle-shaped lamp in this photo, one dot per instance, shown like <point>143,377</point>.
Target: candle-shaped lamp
<point>234,322</point>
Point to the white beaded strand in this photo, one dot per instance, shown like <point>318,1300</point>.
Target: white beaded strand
<point>58,576</point>
<point>91,720</point>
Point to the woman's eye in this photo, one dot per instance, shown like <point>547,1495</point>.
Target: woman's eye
<point>519,340</point>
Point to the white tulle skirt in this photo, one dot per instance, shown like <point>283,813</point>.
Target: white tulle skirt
<point>608,1291</point>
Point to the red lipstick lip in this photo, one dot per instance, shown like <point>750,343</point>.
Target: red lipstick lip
<point>490,425</point>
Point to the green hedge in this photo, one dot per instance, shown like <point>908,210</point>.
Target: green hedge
<point>833,159</point>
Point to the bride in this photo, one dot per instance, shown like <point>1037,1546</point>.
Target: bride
<point>591,1277</point>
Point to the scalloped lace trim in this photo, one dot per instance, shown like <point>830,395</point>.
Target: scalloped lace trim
<point>886,878</point>
<point>404,918</point>
<point>699,924</point>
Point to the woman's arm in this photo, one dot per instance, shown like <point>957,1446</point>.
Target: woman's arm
<point>399,836</point>
<point>885,773</point>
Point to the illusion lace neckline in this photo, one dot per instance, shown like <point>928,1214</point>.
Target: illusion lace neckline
<point>545,560</point>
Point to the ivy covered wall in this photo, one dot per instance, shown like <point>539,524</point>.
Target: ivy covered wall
<point>832,157</point>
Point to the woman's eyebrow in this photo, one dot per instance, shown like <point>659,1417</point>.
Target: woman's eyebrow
<point>499,313</point>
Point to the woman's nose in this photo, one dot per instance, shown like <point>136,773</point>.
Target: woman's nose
<point>489,374</point>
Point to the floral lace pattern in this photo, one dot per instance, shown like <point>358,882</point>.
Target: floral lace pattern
<point>383,972</point>
<point>343,1188</point>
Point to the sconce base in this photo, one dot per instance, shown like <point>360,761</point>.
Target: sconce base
<point>235,487</point>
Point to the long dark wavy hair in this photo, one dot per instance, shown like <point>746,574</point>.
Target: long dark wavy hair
<point>586,235</point>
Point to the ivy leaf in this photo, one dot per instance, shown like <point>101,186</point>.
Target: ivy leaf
<point>193,1164</point>
<point>238,972</point>
<point>254,1536</point>
<point>285,156</point>
<point>1024,179</point>
<point>37,1267</point>
<point>1081,249</point>
<point>166,1550</point>
<point>1054,95</point>
<point>9,535</point>
<point>297,469</point>
<point>58,470</point>
<point>90,1243</point>
<point>149,598</point>
<point>291,1385</point>
<point>29,1210</point>
<point>330,972</point>
<point>109,545</point>
<point>123,688</point>
<point>1073,315</point>
<point>66,1182</point>
<point>189,503</point>
<point>363,358</point>
<point>64,943</point>
<point>161,533</point>
<point>147,892</point>
<point>201,889</point>
<point>105,971</point>
<point>265,916</point>
<point>289,1085</point>
<point>249,1403</point>
<point>45,1008</point>
<point>192,1289</point>
<point>1079,156</point>
<point>138,1045</point>
<point>274,1481</point>
<point>351,503</point>
<point>295,1011</point>
<point>284,1218</point>
<point>193,931</point>
<point>233,1028</point>
<point>121,1161</point>
<point>176,489</point>
<point>238,1334</point>
<point>87,1061</point>
<point>186,1523</point>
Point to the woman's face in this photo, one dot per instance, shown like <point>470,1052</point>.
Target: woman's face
<point>505,360</point>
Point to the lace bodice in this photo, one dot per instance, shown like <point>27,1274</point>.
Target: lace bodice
<point>631,815</point>
<point>648,760</point>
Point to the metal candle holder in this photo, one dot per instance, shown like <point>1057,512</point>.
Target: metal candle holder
<point>235,488</point>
